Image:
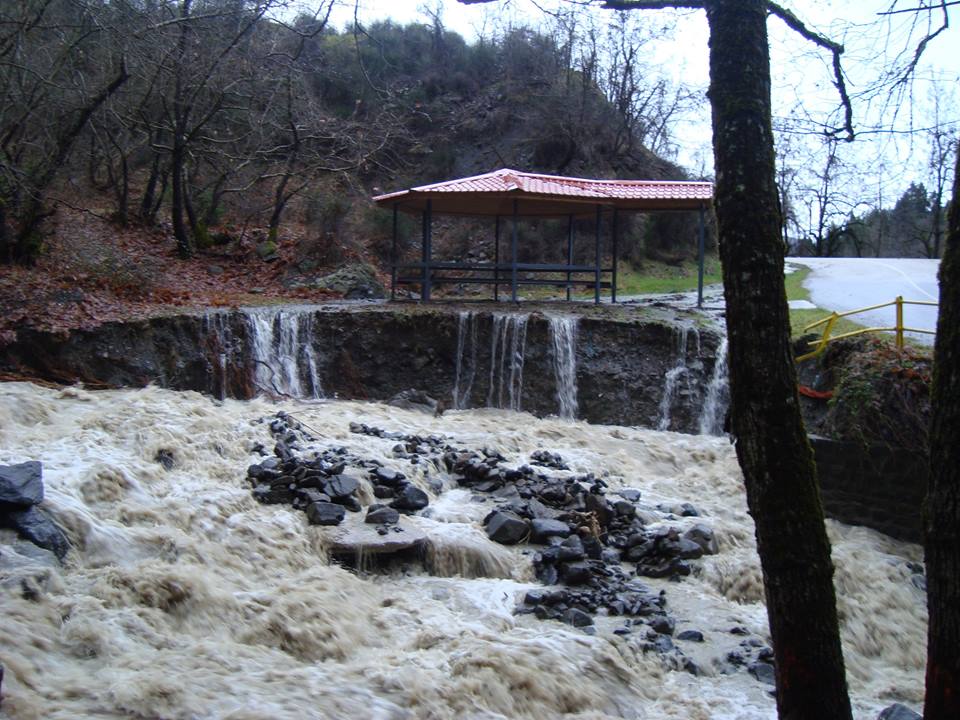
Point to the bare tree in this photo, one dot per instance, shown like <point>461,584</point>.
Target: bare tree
<point>47,96</point>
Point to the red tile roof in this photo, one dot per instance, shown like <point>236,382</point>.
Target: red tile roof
<point>494,193</point>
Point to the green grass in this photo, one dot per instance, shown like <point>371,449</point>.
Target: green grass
<point>658,277</point>
<point>653,277</point>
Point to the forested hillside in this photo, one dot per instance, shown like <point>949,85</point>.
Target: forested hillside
<point>137,135</point>
<point>197,113</point>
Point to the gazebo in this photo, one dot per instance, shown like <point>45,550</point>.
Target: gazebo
<point>514,195</point>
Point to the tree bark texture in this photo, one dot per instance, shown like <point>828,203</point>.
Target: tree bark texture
<point>942,544</point>
<point>772,447</point>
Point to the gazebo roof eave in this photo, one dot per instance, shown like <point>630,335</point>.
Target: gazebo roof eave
<point>488,203</point>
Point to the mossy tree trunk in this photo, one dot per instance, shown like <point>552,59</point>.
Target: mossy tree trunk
<point>942,543</point>
<point>771,442</point>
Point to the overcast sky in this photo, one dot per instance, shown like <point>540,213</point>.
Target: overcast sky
<point>801,73</point>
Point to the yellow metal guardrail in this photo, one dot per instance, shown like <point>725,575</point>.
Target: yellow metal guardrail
<point>831,320</point>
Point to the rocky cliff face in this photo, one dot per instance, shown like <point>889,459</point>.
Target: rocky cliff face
<point>621,365</point>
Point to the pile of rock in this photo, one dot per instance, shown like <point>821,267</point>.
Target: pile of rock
<point>319,485</point>
<point>21,493</point>
<point>588,536</point>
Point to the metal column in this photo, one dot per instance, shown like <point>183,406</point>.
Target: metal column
<point>700,253</point>
<point>393,257</point>
<point>496,261</point>
<point>513,255</point>
<point>596,268</point>
<point>613,277</point>
<point>427,253</point>
<point>569,252</point>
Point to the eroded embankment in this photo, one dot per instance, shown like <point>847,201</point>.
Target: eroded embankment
<point>615,365</point>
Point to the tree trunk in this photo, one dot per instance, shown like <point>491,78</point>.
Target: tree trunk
<point>771,442</point>
<point>177,203</point>
<point>147,212</point>
<point>942,542</point>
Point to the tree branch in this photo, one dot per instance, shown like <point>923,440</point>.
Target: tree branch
<point>836,49</point>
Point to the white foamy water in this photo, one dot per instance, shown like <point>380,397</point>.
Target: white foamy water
<point>184,598</point>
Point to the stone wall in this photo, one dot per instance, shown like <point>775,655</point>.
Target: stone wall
<point>880,487</point>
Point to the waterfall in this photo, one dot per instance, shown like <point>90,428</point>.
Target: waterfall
<point>217,328</point>
<point>466,365</point>
<point>676,375</point>
<point>563,336</point>
<point>717,397</point>
<point>281,345</point>
<point>508,342</point>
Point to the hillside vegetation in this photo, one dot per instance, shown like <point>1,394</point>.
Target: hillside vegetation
<point>195,151</point>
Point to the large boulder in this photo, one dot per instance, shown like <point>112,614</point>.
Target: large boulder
<point>898,711</point>
<point>410,498</point>
<point>324,513</point>
<point>543,528</point>
<point>506,528</point>
<point>21,484</point>
<point>32,524</point>
<point>355,282</point>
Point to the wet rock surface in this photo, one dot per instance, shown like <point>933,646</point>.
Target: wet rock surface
<point>21,494</point>
<point>389,351</point>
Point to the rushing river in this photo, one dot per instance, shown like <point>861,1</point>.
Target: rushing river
<point>185,598</point>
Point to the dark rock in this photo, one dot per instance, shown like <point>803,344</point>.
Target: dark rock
<point>704,537</point>
<point>383,492</point>
<point>667,568</point>
<point>630,494</point>
<point>663,624</point>
<point>547,574</point>
<point>600,508</point>
<point>624,508</point>
<point>571,549</point>
<point>165,458</point>
<point>33,524</point>
<point>535,597</point>
<point>381,515</point>
<point>411,498</point>
<point>660,643</point>
<point>321,513</point>
<point>690,636</point>
<point>261,472</point>
<point>388,477</point>
<point>274,494</point>
<point>577,618</point>
<point>340,486</point>
<point>763,672</point>
<point>349,502</point>
<point>897,711</point>
<point>592,547</point>
<point>21,484</point>
<point>543,528</point>
<point>610,556</point>
<point>689,550</point>
<point>575,573</point>
<point>506,528</point>
<point>306,496</point>
<point>414,400</point>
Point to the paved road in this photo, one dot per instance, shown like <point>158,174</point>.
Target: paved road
<point>849,283</point>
